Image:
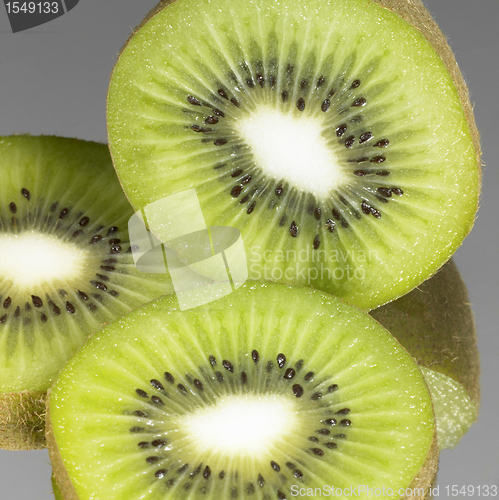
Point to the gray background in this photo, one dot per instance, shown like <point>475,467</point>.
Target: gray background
<point>53,80</point>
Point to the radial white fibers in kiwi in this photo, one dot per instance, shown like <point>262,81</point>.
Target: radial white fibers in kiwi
<point>65,268</point>
<point>435,324</point>
<point>267,388</point>
<point>332,134</point>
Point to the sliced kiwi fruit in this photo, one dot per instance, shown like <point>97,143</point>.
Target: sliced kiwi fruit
<point>435,324</point>
<point>337,136</point>
<point>270,387</point>
<point>65,268</point>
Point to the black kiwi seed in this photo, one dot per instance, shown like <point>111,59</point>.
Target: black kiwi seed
<point>275,466</point>
<point>102,277</point>
<point>223,93</point>
<point>349,142</point>
<point>340,436</point>
<point>355,84</point>
<point>114,241</point>
<point>284,95</point>
<point>331,445</point>
<point>3,319</point>
<point>309,376</point>
<point>115,249</point>
<point>244,377</point>
<point>261,481</point>
<point>343,411</point>
<point>95,239</point>
<point>330,421</point>
<point>281,360</point>
<point>323,432</point>
<point>269,366</point>
<point>345,422</point>
<point>317,451</point>
<point>37,301</point>
<point>290,465</point>
<point>320,81</point>
<point>365,137</point>
<point>211,120</point>
<point>236,173</point>
<point>293,229</point>
<point>313,439</point>
<point>281,495</point>
<point>289,373</point>
<point>360,101</point>
<point>143,444</point>
<point>377,159</point>
<point>158,443</point>
<point>169,377</point>
<point>387,192</point>
<point>383,143</point>
<point>341,129</point>
<point>325,105</point>
<point>236,191</point>
<point>192,100</point>
<point>99,285</point>
<point>297,390</point>
<point>84,221</point>
<point>298,473</point>
<point>139,413</point>
<point>12,207</point>
<point>317,241</point>
<point>17,312</point>
<point>397,191</point>
<point>77,233</point>
<point>157,385</point>
<point>182,389</point>
<point>112,230</point>
<point>152,460</point>
<point>255,356</point>
<point>26,193</point>
<point>198,384</point>
<point>207,472</point>
<point>213,361</point>
<point>43,318</point>
<point>161,473</point>
<point>316,396</point>
<point>219,376</point>
<point>261,80</point>
<point>300,104</point>
<point>70,308</point>
<point>278,190</point>
<point>141,393</point>
<point>228,366</point>
<point>251,207</point>
<point>221,475</point>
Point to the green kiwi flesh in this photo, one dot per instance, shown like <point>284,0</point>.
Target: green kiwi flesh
<point>435,324</point>
<point>227,401</point>
<point>337,136</point>
<point>65,269</point>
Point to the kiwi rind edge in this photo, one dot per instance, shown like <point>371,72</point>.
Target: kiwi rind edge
<point>22,420</point>
<point>435,324</point>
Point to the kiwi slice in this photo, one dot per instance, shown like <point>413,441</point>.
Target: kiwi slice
<point>270,387</point>
<point>337,136</point>
<point>435,324</point>
<point>65,268</point>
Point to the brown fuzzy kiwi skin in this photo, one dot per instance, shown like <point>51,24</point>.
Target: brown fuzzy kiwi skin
<point>22,420</point>
<point>435,324</point>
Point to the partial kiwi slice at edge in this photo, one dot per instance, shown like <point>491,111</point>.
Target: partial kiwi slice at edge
<point>269,387</point>
<point>435,324</point>
<point>65,268</point>
<point>337,136</point>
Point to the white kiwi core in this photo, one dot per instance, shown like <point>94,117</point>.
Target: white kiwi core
<point>33,259</point>
<point>292,148</point>
<point>241,425</point>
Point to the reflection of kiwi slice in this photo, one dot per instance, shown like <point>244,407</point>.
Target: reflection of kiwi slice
<point>228,401</point>
<point>435,324</point>
<point>65,268</point>
<point>332,134</point>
